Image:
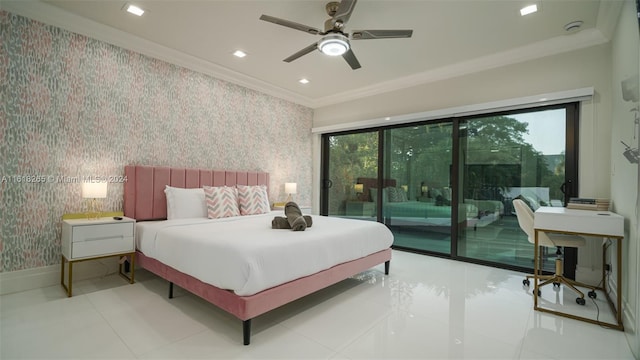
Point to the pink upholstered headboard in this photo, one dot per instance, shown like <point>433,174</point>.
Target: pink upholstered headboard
<point>144,197</point>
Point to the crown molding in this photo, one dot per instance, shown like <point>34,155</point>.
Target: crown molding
<point>608,14</point>
<point>558,97</point>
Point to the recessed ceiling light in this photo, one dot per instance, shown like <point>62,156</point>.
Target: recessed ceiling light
<point>387,118</point>
<point>134,10</point>
<point>240,53</point>
<point>303,81</point>
<point>529,9</point>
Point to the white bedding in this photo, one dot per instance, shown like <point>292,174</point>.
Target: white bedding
<point>245,255</point>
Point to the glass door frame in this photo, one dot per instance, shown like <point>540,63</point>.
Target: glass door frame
<point>571,185</point>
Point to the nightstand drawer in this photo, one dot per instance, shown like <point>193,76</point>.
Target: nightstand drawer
<point>99,246</point>
<point>103,231</point>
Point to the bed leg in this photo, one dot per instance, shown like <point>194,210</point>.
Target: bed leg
<point>386,267</point>
<point>170,290</point>
<point>246,331</point>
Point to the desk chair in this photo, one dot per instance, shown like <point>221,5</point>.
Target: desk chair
<point>525,220</point>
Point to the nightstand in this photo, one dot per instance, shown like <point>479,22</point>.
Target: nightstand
<point>84,239</point>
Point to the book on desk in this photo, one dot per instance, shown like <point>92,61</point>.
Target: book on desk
<point>588,204</point>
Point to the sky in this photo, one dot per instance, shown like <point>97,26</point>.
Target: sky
<point>546,130</point>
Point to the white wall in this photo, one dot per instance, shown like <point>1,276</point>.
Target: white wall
<point>625,195</point>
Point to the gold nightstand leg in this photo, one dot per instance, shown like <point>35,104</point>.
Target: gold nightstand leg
<point>132,267</point>
<point>66,288</point>
<point>70,277</point>
<point>62,270</point>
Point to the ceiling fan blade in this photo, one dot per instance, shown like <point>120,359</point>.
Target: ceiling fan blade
<point>344,11</point>
<point>350,57</point>
<point>290,24</point>
<point>302,52</point>
<point>380,34</point>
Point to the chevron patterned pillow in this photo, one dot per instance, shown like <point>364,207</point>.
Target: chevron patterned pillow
<point>222,201</point>
<point>253,199</point>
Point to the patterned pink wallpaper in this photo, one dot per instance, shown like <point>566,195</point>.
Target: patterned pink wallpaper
<point>75,107</point>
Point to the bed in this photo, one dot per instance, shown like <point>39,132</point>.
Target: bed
<point>397,210</point>
<point>190,252</point>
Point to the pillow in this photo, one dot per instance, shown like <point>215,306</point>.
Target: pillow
<point>396,194</point>
<point>185,203</point>
<point>434,193</point>
<point>253,199</point>
<point>403,195</point>
<point>222,201</point>
<point>446,193</point>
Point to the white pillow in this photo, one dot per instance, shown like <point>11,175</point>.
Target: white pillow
<point>185,203</point>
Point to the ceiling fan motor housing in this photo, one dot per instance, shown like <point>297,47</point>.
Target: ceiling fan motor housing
<point>334,44</point>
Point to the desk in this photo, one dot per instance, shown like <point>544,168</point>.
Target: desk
<point>588,223</point>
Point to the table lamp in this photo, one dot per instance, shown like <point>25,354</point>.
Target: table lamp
<point>359,189</point>
<point>93,191</point>
<point>290,189</point>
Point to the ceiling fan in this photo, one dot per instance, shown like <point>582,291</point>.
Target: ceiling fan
<point>335,41</point>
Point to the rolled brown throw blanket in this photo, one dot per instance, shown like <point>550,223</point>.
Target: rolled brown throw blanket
<point>294,216</point>
<point>280,222</point>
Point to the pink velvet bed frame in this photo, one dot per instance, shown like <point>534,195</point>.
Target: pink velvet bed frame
<point>144,199</point>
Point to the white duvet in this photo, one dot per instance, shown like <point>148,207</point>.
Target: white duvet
<point>245,255</point>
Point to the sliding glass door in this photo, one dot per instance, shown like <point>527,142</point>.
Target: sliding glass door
<point>350,163</point>
<point>417,186</point>
<point>446,187</point>
<point>502,158</point>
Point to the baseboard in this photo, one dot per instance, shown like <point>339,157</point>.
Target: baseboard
<point>628,317</point>
<point>29,279</point>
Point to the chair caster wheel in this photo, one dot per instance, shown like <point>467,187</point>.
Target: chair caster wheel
<point>526,282</point>
<point>539,292</point>
<point>592,294</point>
<point>580,301</point>
<point>556,284</point>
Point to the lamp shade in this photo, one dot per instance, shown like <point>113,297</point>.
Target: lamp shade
<point>94,190</point>
<point>290,188</point>
<point>358,188</point>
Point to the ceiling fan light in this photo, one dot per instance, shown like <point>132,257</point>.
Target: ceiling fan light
<point>334,45</point>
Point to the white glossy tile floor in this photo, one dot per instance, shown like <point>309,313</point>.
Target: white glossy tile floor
<point>426,308</point>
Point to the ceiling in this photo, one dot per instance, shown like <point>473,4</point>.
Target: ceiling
<point>450,38</point>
